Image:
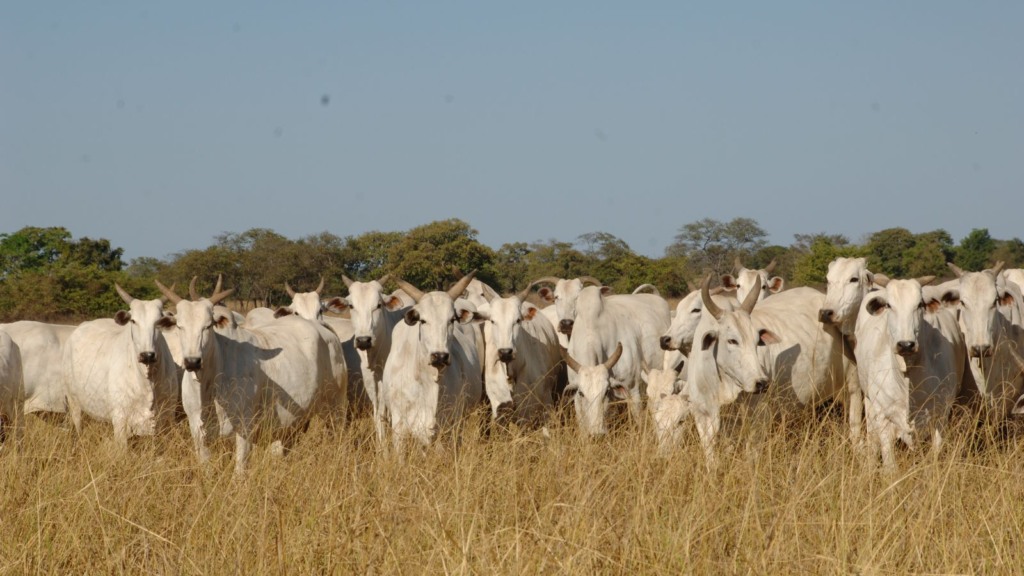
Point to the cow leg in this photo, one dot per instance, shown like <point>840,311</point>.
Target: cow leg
<point>74,410</point>
<point>192,402</point>
<point>887,442</point>
<point>636,406</point>
<point>242,449</point>
<point>855,404</point>
<point>120,423</point>
<point>707,430</point>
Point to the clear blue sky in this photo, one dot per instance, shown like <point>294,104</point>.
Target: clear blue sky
<point>160,126</point>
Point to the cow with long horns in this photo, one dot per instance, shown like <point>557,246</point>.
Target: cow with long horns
<point>120,370</point>
<point>433,373</point>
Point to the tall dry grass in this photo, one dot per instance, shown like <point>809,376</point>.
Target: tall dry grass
<point>786,498</point>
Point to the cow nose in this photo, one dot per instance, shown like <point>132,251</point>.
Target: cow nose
<point>981,351</point>
<point>439,359</point>
<point>505,354</point>
<point>666,342</point>
<point>826,315</point>
<point>761,386</point>
<point>565,327</point>
<point>147,357</point>
<point>192,363</point>
<point>905,347</point>
<point>364,343</point>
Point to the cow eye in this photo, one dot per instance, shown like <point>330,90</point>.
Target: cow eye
<point>733,342</point>
<point>695,311</point>
<point>854,280</point>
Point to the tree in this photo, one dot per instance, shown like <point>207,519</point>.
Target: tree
<point>811,267</point>
<point>433,256</point>
<point>710,245</point>
<point>33,248</point>
<point>1009,251</point>
<point>555,258</point>
<point>975,250</point>
<point>929,254</point>
<point>365,257</point>
<point>511,264</point>
<point>886,250</point>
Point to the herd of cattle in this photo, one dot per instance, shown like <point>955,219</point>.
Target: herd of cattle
<point>898,353</point>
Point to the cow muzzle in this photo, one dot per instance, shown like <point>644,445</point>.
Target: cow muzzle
<point>364,342</point>
<point>193,364</point>
<point>761,386</point>
<point>506,355</point>
<point>666,343</point>
<point>982,351</point>
<point>906,347</point>
<point>826,316</point>
<point>565,327</point>
<point>440,359</point>
<point>147,358</point>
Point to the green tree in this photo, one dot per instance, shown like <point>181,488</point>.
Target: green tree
<point>365,257</point>
<point>33,248</point>
<point>929,254</point>
<point>711,246</point>
<point>811,267</point>
<point>433,256</point>
<point>1011,252</point>
<point>975,250</point>
<point>511,264</point>
<point>887,249</point>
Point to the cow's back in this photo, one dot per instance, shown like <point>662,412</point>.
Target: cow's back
<point>42,349</point>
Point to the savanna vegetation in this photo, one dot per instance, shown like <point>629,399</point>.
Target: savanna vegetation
<point>71,278</point>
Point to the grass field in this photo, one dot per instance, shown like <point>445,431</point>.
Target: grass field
<point>789,499</point>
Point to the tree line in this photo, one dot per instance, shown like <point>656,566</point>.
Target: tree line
<point>46,274</point>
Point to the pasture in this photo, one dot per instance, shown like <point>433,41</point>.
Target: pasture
<point>786,498</point>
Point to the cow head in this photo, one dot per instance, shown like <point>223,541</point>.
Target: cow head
<point>145,319</point>
<point>564,298</point>
<point>668,406</point>
<point>746,280</point>
<point>594,388</point>
<point>366,303</point>
<point>304,304</point>
<point>979,297</point>
<point>903,304</point>
<point>734,342</point>
<point>435,315</point>
<point>679,335</point>
<point>196,320</point>
<point>849,280</point>
<point>505,321</point>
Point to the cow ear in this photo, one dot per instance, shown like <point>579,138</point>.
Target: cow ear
<point>221,321</point>
<point>393,302</point>
<point>876,306</point>
<point>529,311</point>
<point>282,311</point>
<point>766,337</point>
<point>546,294</point>
<point>122,317</point>
<point>710,337</point>
<point>412,317</point>
<point>776,284</point>
<point>1006,299</point>
<point>336,304</point>
<point>619,392</point>
<point>932,305</point>
<point>606,291</point>
<point>728,282</point>
<point>168,321</point>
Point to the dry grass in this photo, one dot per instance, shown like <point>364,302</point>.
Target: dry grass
<point>791,500</point>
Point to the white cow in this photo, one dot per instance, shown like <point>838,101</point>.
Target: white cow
<point>603,323</point>
<point>802,360</point>
<point>747,280</point>
<point>522,363</point>
<point>689,310</point>
<point>120,370</point>
<point>12,390</point>
<point>564,298</point>
<point>433,373</point>
<point>849,281</point>
<point>373,315</point>
<point>666,406</point>
<point>42,347</point>
<point>991,338</point>
<point>274,375</point>
<point>912,360</point>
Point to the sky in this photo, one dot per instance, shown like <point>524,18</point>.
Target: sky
<point>161,125</point>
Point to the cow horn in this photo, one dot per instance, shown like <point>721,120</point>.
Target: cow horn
<point>545,280</point>
<point>737,264</point>
<point>320,287</point>
<point>569,360</point>
<point>346,280</point>
<point>383,279</point>
<point>997,268</point>
<point>881,280</point>
<point>411,290</point>
<point>124,295</point>
<point>709,304</point>
<point>288,289</point>
<point>770,266</point>
<point>956,269</point>
<point>168,292</point>
<point>192,289</point>
<point>217,287</point>
<point>525,292</point>
<point>925,280</point>
<point>460,286</point>
<point>614,358</point>
<point>590,280</point>
<point>218,296</point>
<point>750,300</point>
